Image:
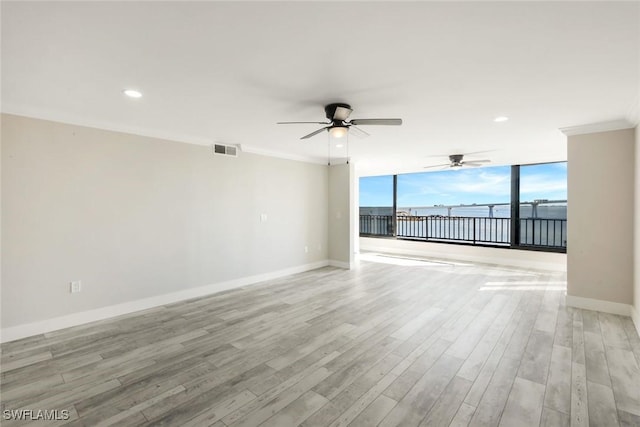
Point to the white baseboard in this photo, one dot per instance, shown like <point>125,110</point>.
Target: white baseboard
<point>635,317</point>
<point>341,264</point>
<point>22,331</point>
<point>600,305</point>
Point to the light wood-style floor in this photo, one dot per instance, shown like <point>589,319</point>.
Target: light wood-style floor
<point>420,343</point>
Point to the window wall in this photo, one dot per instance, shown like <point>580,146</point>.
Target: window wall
<point>377,204</point>
<point>543,205</point>
<point>507,206</point>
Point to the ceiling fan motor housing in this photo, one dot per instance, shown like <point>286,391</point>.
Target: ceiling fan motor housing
<point>456,159</point>
<point>330,109</point>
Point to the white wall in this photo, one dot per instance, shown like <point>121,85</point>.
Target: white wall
<point>636,284</point>
<point>601,220</point>
<point>134,218</point>
<point>341,194</point>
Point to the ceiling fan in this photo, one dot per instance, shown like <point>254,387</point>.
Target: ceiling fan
<point>338,125</point>
<point>456,162</point>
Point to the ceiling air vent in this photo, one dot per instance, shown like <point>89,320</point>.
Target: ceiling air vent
<point>225,150</point>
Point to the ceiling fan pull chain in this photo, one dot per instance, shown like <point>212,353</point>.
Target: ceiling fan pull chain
<point>347,142</point>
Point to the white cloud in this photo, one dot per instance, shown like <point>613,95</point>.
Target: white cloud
<point>482,185</point>
<point>541,185</point>
<point>454,187</point>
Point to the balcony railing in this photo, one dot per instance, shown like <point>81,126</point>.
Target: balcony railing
<point>543,232</point>
<point>534,232</point>
<point>376,225</point>
<point>458,229</point>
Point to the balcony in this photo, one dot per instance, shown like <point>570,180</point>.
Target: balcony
<point>535,233</point>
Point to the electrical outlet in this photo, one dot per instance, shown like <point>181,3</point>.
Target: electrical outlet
<point>75,286</point>
<point>263,217</point>
<point>306,249</point>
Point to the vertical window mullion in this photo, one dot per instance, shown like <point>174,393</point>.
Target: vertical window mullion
<point>515,205</point>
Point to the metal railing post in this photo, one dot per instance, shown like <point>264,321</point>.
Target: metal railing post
<point>474,230</point>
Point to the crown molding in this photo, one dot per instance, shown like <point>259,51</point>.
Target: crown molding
<point>597,127</point>
<point>281,155</point>
<point>173,137</point>
<point>69,119</point>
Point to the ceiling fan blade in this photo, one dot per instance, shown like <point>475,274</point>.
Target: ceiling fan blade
<point>314,133</point>
<point>479,162</point>
<point>477,152</point>
<point>342,113</point>
<point>438,166</point>
<point>463,154</point>
<point>356,131</point>
<point>389,122</point>
<point>297,123</point>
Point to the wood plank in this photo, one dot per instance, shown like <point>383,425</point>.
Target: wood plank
<point>297,411</point>
<point>613,333</point>
<point>364,401</point>
<point>602,405</point>
<point>341,379</point>
<point>632,336</point>
<point>30,389</point>
<point>416,323</point>
<point>490,407</point>
<point>352,399</point>
<point>20,362</point>
<point>267,408</point>
<point>577,353</point>
<point>524,405</point>
<point>483,349</point>
<point>416,404</point>
<point>534,365</point>
<point>558,390</point>
<point>463,416</point>
<point>547,316</point>
<point>219,410</point>
<point>625,379</point>
<point>65,396</point>
<point>579,398</point>
<point>310,346</point>
<point>590,322</point>
<point>553,418</point>
<point>448,404</point>
<point>595,359</point>
<point>117,419</point>
<point>401,386</point>
<point>486,372</point>
<point>564,328</point>
<point>628,420</point>
<point>374,413</point>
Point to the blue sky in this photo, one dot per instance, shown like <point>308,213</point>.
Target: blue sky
<point>466,186</point>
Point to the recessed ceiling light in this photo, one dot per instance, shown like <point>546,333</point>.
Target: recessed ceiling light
<point>501,119</point>
<point>339,145</point>
<point>132,93</point>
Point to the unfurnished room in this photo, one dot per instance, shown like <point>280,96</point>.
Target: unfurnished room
<point>320,213</point>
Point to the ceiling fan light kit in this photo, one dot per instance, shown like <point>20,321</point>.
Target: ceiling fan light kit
<point>338,125</point>
<point>338,131</point>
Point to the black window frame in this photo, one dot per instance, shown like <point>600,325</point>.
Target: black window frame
<point>515,220</point>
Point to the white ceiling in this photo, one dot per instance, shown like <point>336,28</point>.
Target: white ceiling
<point>228,71</point>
